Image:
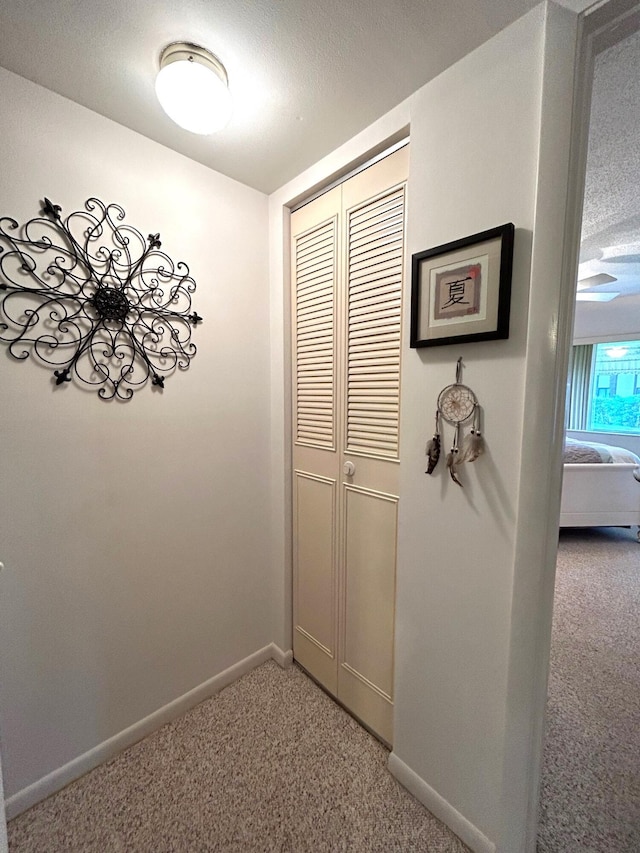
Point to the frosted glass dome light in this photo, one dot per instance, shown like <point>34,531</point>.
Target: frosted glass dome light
<point>192,87</point>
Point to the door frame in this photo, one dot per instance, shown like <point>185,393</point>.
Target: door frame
<point>597,31</point>
<point>385,136</point>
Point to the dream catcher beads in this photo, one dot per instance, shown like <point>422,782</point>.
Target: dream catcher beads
<point>457,405</point>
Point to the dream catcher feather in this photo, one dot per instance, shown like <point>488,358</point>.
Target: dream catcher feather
<point>458,406</point>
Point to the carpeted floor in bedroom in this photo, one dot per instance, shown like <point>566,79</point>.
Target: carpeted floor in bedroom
<point>590,797</point>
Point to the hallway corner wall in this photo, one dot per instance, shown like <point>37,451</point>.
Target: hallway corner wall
<point>136,535</point>
<point>481,133</point>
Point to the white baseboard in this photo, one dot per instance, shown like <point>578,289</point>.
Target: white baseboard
<point>285,659</point>
<point>108,749</point>
<point>439,807</point>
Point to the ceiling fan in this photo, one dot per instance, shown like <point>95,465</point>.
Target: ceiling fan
<point>585,294</point>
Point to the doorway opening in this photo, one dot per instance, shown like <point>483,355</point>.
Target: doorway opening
<point>589,784</point>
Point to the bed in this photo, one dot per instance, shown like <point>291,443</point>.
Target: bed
<point>600,487</point>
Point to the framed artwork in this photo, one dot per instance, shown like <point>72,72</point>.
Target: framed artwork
<point>461,291</point>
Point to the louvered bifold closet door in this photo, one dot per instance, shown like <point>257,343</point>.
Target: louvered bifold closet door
<point>374,225</point>
<point>374,288</point>
<point>347,263</point>
<point>315,244</point>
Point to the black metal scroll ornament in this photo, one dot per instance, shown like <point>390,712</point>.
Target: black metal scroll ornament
<point>91,297</point>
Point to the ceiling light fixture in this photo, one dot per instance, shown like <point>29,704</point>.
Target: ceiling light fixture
<point>193,88</point>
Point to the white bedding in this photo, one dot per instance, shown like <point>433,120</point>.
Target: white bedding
<point>607,452</point>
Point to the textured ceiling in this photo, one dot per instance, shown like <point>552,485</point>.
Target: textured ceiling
<point>611,218</point>
<point>306,75</point>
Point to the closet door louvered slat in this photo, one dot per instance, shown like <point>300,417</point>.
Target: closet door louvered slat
<point>373,329</point>
<point>314,278</point>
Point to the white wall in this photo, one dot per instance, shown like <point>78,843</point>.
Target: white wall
<point>463,554</point>
<point>489,144</point>
<point>615,320</point>
<point>135,536</point>
<point>476,132</point>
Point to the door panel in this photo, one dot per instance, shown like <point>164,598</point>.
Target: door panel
<point>315,592</point>
<point>370,560</point>
<point>315,243</point>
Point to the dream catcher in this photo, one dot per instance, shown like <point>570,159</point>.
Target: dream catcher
<point>457,405</point>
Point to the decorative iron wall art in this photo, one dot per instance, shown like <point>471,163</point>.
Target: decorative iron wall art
<point>92,298</point>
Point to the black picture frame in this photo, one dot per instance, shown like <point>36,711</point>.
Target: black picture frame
<point>461,291</point>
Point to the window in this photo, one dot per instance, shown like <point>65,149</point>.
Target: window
<point>605,387</point>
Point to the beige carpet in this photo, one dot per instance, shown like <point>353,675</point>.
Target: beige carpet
<point>590,799</point>
<point>269,764</point>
